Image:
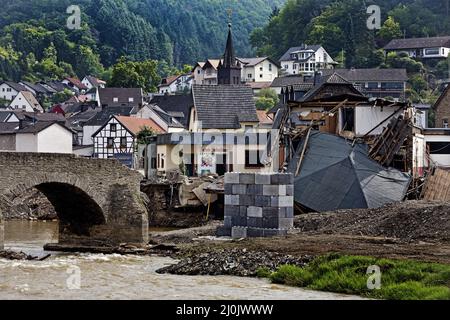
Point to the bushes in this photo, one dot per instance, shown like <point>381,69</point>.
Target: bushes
<point>400,279</point>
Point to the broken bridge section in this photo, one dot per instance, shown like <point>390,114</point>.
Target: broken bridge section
<point>98,201</point>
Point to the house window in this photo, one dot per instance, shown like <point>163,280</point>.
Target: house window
<point>270,67</point>
<point>445,123</point>
<point>249,76</point>
<point>115,99</point>
<point>372,85</point>
<point>159,161</point>
<point>260,75</point>
<point>253,159</point>
<point>130,99</point>
<point>431,52</point>
<point>113,127</point>
<point>123,142</point>
<point>286,66</point>
<point>162,161</point>
<point>348,119</point>
<point>153,163</point>
<point>198,71</point>
<point>110,143</point>
<point>261,69</point>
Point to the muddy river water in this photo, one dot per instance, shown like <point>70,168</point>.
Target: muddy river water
<point>98,276</point>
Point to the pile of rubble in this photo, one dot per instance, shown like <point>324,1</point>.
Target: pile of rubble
<point>33,205</point>
<point>409,221</point>
<point>236,262</point>
<point>12,255</point>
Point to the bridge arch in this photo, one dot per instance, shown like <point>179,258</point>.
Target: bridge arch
<point>97,201</point>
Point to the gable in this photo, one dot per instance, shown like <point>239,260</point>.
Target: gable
<point>20,102</point>
<point>104,130</point>
<point>443,100</point>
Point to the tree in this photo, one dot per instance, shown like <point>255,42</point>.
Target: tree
<point>402,60</point>
<point>131,74</point>
<point>390,30</point>
<point>266,99</point>
<point>418,83</point>
<point>144,134</point>
<point>62,96</point>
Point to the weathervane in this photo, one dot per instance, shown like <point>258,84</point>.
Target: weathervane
<point>230,16</point>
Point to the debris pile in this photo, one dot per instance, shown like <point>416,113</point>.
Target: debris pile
<point>32,205</point>
<point>409,221</point>
<point>236,262</point>
<point>12,255</point>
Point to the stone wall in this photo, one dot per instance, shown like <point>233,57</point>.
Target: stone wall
<point>7,142</point>
<point>442,110</point>
<point>258,205</point>
<point>2,231</point>
<point>98,201</point>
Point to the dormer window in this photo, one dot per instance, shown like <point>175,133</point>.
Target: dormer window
<point>115,99</point>
<point>130,99</point>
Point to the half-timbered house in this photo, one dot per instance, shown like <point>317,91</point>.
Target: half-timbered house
<point>117,138</point>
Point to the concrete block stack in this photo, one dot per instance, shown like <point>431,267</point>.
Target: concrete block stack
<point>258,205</point>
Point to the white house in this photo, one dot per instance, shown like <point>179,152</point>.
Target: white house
<point>306,60</point>
<point>206,72</point>
<point>25,101</point>
<point>176,84</point>
<point>9,90</point>
<point>44,137</point>
<point>421,48</point>
<point>75,84</point>
<point>262,69</point>
<point>91,82</point>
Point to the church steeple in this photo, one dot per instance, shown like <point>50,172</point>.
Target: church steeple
<point>229,71</point>
<point>229,59</point>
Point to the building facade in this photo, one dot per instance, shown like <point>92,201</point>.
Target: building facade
<point>9,90</point>
<point>306,60</point>
<point>421,48</point>
<point>117,139</point>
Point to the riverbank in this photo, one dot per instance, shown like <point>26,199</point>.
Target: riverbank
<point>406,236</point>
<point>368,277</point>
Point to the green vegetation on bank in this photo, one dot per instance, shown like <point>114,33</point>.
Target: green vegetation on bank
<point>400,279</point>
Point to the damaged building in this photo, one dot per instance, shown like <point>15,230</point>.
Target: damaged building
<point>345,150</point>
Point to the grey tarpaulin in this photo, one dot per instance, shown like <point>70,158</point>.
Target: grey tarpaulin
<point>336,175</point>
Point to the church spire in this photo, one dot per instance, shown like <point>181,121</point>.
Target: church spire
<point>229,70</point>
<point>229,59</point>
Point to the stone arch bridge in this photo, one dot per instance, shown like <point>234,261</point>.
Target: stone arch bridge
<point>98,201</point>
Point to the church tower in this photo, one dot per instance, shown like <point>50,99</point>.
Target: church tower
<point>229,71</point>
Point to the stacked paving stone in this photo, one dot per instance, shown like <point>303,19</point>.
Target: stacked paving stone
<point>258,205</point>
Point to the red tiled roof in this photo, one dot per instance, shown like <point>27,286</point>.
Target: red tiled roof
<point>168,81</point>
<point>263,117</point>
<point>76,82</point>
<point>135,125</point>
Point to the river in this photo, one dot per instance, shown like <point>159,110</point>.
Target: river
<point>98,276</point>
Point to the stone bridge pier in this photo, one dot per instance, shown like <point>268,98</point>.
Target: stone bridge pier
<point>98,201</point>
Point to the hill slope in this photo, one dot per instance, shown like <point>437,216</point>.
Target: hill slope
<point>176,31</point>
